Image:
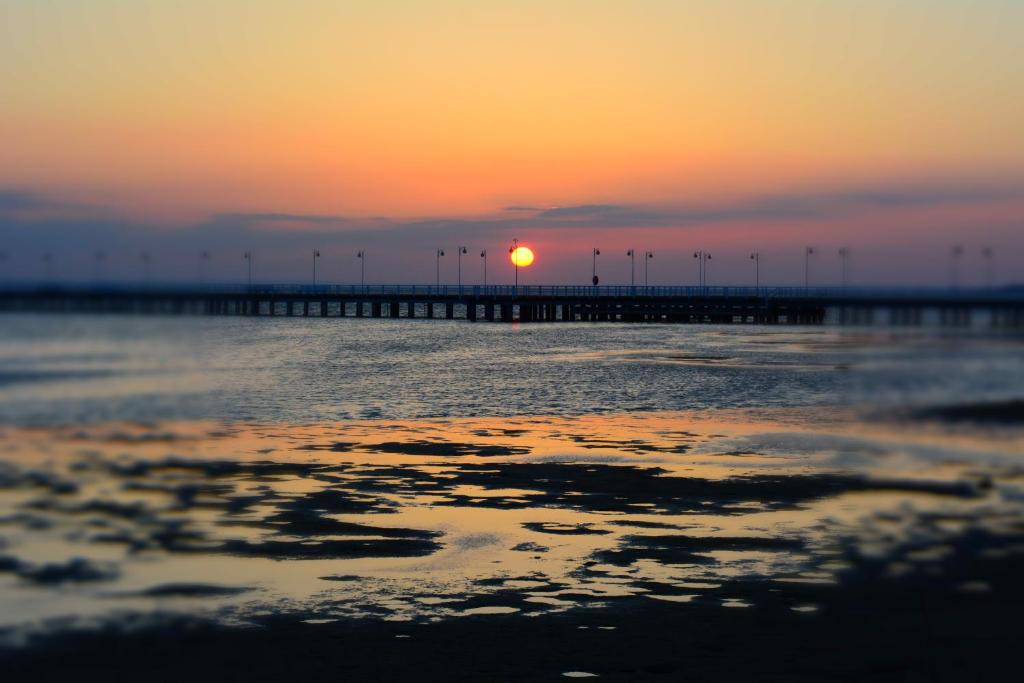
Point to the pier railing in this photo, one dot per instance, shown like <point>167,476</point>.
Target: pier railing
<point>447,291</point>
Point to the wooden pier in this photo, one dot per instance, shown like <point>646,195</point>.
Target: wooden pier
<point>543,304</point>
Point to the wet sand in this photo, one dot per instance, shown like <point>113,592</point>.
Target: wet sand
<point>721,545</point>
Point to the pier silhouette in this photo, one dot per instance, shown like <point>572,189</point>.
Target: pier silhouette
<point>990,307</point>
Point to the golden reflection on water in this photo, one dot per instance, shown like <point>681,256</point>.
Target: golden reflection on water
<point>488,516</point>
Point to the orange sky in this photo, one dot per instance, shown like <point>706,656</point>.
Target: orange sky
<point>168,114</point>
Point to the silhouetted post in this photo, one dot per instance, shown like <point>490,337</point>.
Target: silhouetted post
<point>756,258</point>
<point>844,258</point>
<point>362,269</point>
<point>808,253</point>
<point>987,254</point>
<point>146,269</point>
<point>954,265</point>
<point>316,255</point>
<point>461,251</point>
<point>47,260</point>
<point>437,279</point>
<point>632,268</point>
<point>648,255</point>
<point>515,263</point>
<point>593,278</point>
<point>483,255</point>
<point>702,267</point>
<point>248,261</point>
<point>99,257</point>
<point>204,256</point>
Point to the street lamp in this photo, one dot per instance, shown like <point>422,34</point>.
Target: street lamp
<point>954,265</point>
<point>515,262</point>
<point>483,255</point>
<point>204,256</point>
<point>98,271</point>
<point>316,255</point>
<point>437,279</point>
<point>808,253</point>
<point>756,258</point>
<point>249,258</point>
<point>147,260</point>
<point>460,251</point>
<point>648,255</point>
<point>632,267</point>
<point>702,267</point>
<point>844,262</point>
<point>987,254</point>
<point>361,255</point>
<point>593,279</point>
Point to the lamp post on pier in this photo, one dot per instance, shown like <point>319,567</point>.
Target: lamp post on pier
<point>955,254</point>
<point>100,257</point>
<point>437,267</point>
<point>632,267</point>
<point>808,253</point>
<point>204,257</point>
<point>249,257</point>
<point>988,254</point>
<point>361,255</point>
<point>461,251</point>
<point>515,261</point>
<point>483,255</point>
<point>702,267</point>
<point>147,270</point>
<point>844,265</point>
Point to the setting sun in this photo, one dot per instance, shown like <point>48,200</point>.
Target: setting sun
<point>522,256</point>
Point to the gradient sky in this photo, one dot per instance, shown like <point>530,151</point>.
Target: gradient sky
<point>889,126</point>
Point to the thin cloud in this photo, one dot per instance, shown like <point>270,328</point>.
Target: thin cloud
<point>31,223</point>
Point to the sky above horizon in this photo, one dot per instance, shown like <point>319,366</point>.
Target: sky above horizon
<point>174,127</point>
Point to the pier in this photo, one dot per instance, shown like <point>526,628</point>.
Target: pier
<point>543,304</point>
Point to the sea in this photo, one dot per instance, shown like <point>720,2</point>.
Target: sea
<point>235,474</point>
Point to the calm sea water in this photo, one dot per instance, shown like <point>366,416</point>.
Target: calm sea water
<point>61,369</point>
<point>321,471</point>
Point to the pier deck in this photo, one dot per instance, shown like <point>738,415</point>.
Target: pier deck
<point>538,304</point>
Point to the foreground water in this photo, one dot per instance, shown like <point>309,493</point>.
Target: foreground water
<point>412,473</point>
<point>59,369</point>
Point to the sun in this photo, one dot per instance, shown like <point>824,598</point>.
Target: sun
<point>522,256</point>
